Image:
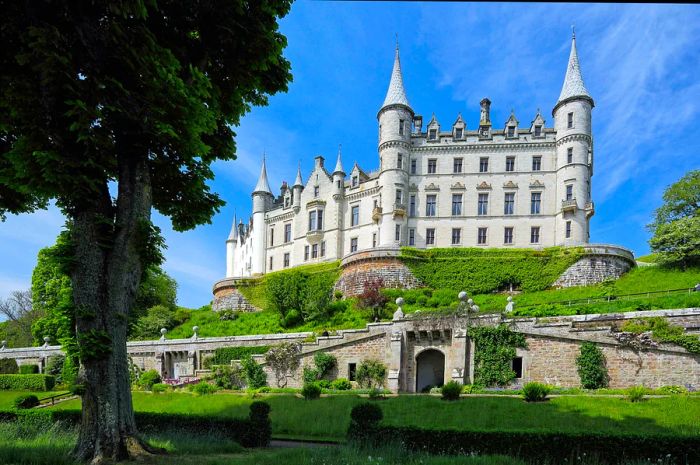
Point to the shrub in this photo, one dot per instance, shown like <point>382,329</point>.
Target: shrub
<point>255,376</point>
<point>26,401</point>
<point>148,379</point>
<point>469,389</point>
<point>636,393</point>
<point>224,355</point>
<point>27,382</point>
<point>311,391</point>
<point>54,367</point>
<point>672,390</point>
<point>535,392</point>
<point>227,377</point>
<point>324,363</point>
<point>310,375</point>
<point>28,369</point>
<point>364,421</point>
<point>324,383</point>
<point>375,394</point>
<point>284,361</point>
<point>159,387</point>
<point>451,390</point>
<point>8,366</point>
<point>259,418</point>
<point>371,374</point>
<point>372,297</point>
<point>69,373</point>
<point>591,367</point>
<point>203,388</point>
<point>422,300</point>
<point>341,384</point>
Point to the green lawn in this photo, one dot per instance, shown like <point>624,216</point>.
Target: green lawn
<point>328,417</point>
<point>7,398</point>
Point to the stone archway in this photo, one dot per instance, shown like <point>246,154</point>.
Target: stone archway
<point>430,369</point>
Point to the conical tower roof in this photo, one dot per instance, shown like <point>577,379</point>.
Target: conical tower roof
<point>396,94</point>
<point>339,163</point>
<point>573,82</point>
<point>298,181</point>
<point>263,186</point>
<point>233,235</point>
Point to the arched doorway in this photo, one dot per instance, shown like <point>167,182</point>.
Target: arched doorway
<point>430,369</point>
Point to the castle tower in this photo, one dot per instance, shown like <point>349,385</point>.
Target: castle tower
<point>231,244</point>
<point>339,198</point>
<point>574,156</point>
<point>296,190</point>
<point>262,200</point>
<point>394,118</point>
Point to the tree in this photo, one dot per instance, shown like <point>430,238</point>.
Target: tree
<point>284,361</point>
<point>19,313</point>
<point>114,108</point>
<point>372,297</point>
<point>676,226</point>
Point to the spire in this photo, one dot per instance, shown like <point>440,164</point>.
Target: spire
<point>263,186</point>
<point>573,82</point>
<point>233,235</point>
<point>298,182</point>
<point>396,95</point>
<point>339,164</point>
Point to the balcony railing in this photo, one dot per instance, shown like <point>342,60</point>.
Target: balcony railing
<point>314,235</point>
<point>569,205</point>
<point>376,214</point>
<point>399,209</point>
<point>590,209</point>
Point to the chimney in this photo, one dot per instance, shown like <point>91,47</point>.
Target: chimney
<point>318,162</point>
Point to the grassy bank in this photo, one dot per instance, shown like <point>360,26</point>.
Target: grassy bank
<point>7,398</point>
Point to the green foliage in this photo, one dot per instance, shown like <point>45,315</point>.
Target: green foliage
<point>54,367</point>
<point>284,361</point>
<point>254,374</point>
<point>311,391</point>
<point>224,355</point>
<point>341,384</point>
<point>671,390</point>
<point>451,390</point>
<point>158,388</point>
<point>494,352</point>
<point>27,382</point>
<point>94,344</point>
<point>591,367</point>
<point>8,366</point>
<point>636,393</point>
<point>149,325</point>
<point>203,388</point>
<point>28,369</point>
<point>227,377</point>
<point>309,375</point>
<point>148,379</point>
<point>324,362</point>
<point>372,298</point>
<point>535,392</point>
<point>485,270</point>
<point>371,374</point>
<point>26,401</point>
<point>663,331</point>
<point>364,422</point>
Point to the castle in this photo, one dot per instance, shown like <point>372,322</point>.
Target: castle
<point>483,187</point>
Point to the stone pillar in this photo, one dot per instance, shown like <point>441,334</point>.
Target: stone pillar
<point>458,355</point>
<point>160,362</point>
<point>394,376</point>
<point>191,362</point>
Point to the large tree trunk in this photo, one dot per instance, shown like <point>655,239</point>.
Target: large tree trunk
<point>106,277</point>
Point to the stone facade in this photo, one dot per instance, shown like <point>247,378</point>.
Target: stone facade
<point>370,265</point>
<point>600,263</point>
<point>228,297</point>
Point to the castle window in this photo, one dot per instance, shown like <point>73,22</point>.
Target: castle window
<point>430,202</point>
<point>511,131</point>
<point>510,163</point>
<point>483,164</point>
<point>314,251</point>
<point>508,235</point>
<point>412,206</point>
<point>315,220</point>
<point>355,181</point>
<point>316,191</point>
<point>538,131</point>
<point>306,253</point>
<point>413,166</point>
<point>517,365</point>
<point>535,235</point>
<point>288,232</point>
<point>399,161</point>
<point>456,204</point>
<point>536,163</point>
<point>432,134</point>
<point>355,215</point>
<point>272,237</point>
<point>457,165</point>
<point>509,203</point>
<point>353,244</point>
<point>570,120</point>
<point>456,236</point>
<point>569,192</point>
<point>458,133</point>
<point>270,263</point>
<point>411,236</point>
<point>481,236</point>
<point>397,234</point>
<point>323,248</point>
<point>286,202</point>
<point>352,368</point>
<point>401,126</point>
<point>286,260</point>
<point>337,183</point>
<point>432,166</point>
<point>568,229</point>
<point>535,203</point>
<point>399,197</point>
<point>374,240</point>
<point>570,155</point>
<point>430,236</point>
<point>483,206</point>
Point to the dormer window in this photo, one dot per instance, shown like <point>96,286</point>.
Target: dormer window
<point>355,181</point>
<point>432,134</point>
<point>538,131</point>
<point>458,133</point>
<point>401,126</point>
<point>316,191</point>
<point>511,131</point>
<point>286,202</point>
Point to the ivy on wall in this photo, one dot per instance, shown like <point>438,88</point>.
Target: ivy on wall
<point>224,355</point>
<point>494,351</point>
<point>591,367</point>
<point>663,331</point>
<point>480,271</point>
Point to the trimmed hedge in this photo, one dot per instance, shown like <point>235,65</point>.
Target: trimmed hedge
<point>224,355</point>
<point>27,382</point>
<point>28,369</point>
<point>480,271</point>
<point>254,431</point>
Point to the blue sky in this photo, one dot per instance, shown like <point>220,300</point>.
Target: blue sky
<point>641,64</point>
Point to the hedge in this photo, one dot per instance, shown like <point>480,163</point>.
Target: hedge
<point>480,271</point>
<point>28,369</point>
<point>224,355</point>
<point>27,382</point>
<point>254,431</point>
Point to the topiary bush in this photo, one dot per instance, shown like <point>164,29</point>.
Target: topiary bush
<point>341,384</point>
<point>364,422</point>
<point>535,392</point>
<point>26,401</point>
<point>148,379</point>
<point>371,374</point>
<point>451,390</point>
<point>591,367</point>
<point>28,369</point>
<point>311,391</point>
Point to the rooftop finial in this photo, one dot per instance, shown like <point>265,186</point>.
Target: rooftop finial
<point>338,163</point>
<point>299,181</point>
<point>397,40</point>
<point>396,95</point>
<point>573,31</point>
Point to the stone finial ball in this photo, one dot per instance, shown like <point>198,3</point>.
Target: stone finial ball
<point>3,343</point>
<point>195,328</point>
<point>399,301</point>
<point>163,331</point>
<point>470,302</point>
<point>509,299</point>
<point>462,296</point>
<point>47,339</point>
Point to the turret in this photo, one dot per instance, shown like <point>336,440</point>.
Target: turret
<point>338,177</point>
<point>395,117</point>
<point>262,200</point>
<point>296,190</point>
<point>574,155</point>
<point>231,244</point>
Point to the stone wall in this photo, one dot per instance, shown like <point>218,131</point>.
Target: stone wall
<point>228,297</point>
<point>601,262</point>
<point>379,263</point>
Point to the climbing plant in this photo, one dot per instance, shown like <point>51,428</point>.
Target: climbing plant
<point>591,367</point>
<point>663,331</point>
<point>494,351</point>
